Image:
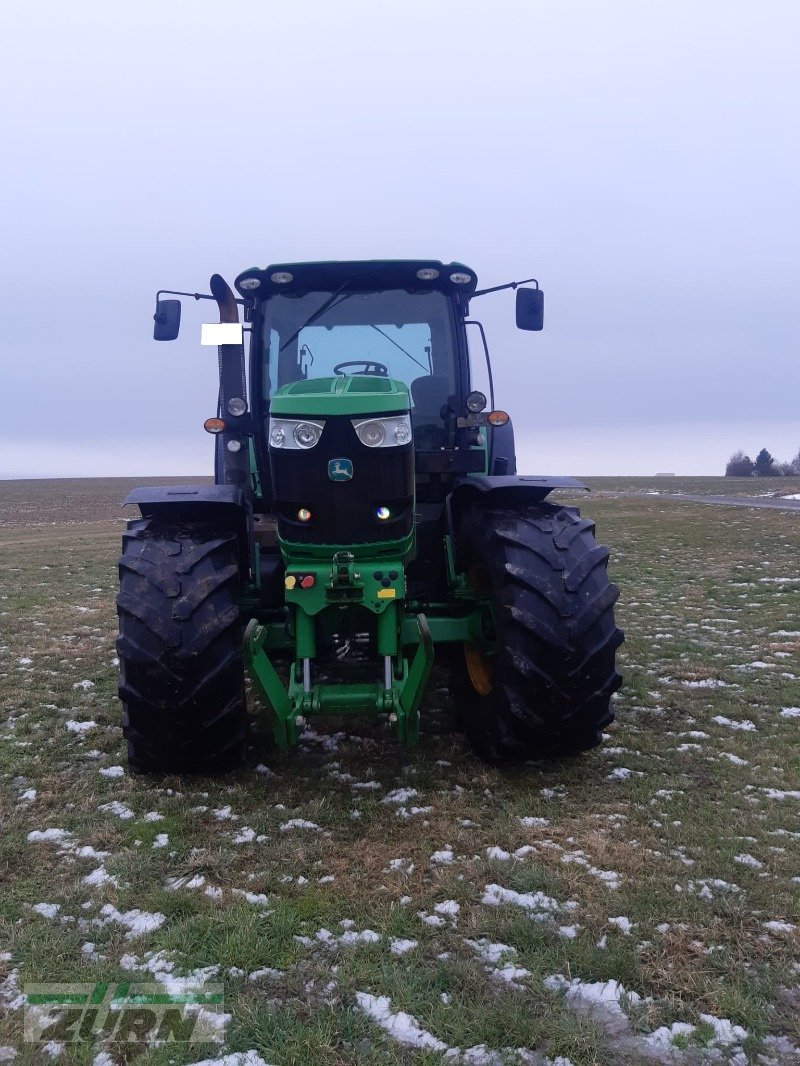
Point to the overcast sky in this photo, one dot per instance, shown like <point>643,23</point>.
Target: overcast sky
<point>639,157</point>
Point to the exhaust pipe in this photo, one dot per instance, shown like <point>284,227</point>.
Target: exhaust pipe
<point>231,457</point>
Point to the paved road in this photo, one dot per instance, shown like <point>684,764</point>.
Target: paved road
<point>772,503</point>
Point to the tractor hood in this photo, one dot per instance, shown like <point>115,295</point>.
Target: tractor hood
<point>361,394</point>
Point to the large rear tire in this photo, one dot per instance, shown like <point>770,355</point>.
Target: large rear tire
<point>542,684</point>
<point>181,677</point>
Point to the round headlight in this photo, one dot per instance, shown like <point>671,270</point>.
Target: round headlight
<point>402,434</point>
<point>476,402</point>
<point>382,513</point>
<point>277,437</point>
<point>306,434</point>
<point>281,277</point>
<point>460,279</point>
<point>304,514</point>
<point>237,406</point>
<point>234,446</point>
<point>427,274</point>
<point>250,283</point>
<point>371,433</point>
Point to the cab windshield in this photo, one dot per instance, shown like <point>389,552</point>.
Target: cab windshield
<point>405,335</point>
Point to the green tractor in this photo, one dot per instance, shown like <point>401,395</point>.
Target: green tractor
<point>366,517</point>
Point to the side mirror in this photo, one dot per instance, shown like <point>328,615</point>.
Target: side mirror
<point>530,309</point>
<point>167,320</point>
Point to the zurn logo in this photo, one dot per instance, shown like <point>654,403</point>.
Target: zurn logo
<point>123,1012</point>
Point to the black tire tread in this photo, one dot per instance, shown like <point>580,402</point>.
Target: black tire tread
<point>555,669</point>
<point>181,678</point>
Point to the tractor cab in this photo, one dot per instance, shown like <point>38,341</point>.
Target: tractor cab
<point>402,320</point>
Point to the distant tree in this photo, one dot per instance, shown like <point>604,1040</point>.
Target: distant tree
<point>794,464</point>
<point>765,465</point>
<point>739,465</point>
<point>784,469</point>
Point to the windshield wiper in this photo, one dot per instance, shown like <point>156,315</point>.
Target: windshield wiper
<point>391,340</point>
<point>324,306</point>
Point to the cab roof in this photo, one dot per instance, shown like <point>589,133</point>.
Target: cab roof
<point>359,275</point>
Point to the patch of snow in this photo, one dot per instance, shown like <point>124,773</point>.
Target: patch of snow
<point>161,840</point>
<point>725,1032</point>
<point>265,971</point>
<point>99,877</point>
<point>534,823</point>
<point>620,773</point>
<point>448,907</point>
<point>663,1039</point>
<point>137,922</point>
<point>79,727</point>
<point>605,996</point>
<point>623,924</point>
<point>116,808</point>
<point>735,759</point>
<point>299,823</point>
<point>790,712</point>
<point>443,858</point>
<point>399,1025</point>
<point>745,726</point>
<point>85,685</point>
<point>533,902</point>
<point>51,835</point>
<point>399,946</point>
<point>400,795</point>
<point>47,910</point>
<point>748,860</point>
<point>245,835</point>
<point>112,771</point>
<point>779,927</point>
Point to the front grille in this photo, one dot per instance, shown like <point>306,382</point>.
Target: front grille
<point>343,512</point>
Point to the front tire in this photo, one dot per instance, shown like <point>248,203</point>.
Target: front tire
<point>181,670</point>
<point>541,684</point>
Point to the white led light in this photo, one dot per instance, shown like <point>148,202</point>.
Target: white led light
<point>383,513</point>
<point>402,433</point>
<point>460,279</point>
<point>304,514</point>
<point>371,433</point>
<point>234,445</point>
<point>281,277</point>
<point>476,402</point>
<point>294,433</point>
<point>306,434</point>
<point>427,274</point>
<point>237,406</point>
<point>250,283</point>
<point>390,432</point>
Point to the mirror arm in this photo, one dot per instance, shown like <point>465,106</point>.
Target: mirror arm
<point>510,285</point>
<point>475,322</point>
<point>195,295</point>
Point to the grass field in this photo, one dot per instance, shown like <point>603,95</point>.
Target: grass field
<point>364,905</point>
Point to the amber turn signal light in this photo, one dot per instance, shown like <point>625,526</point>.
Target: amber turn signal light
<point>214,425</point>
<point>497,418</point>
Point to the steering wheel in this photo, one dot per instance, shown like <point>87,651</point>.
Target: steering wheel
<point>370,367</point>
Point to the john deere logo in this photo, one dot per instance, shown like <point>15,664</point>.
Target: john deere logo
<point>340,470</point>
